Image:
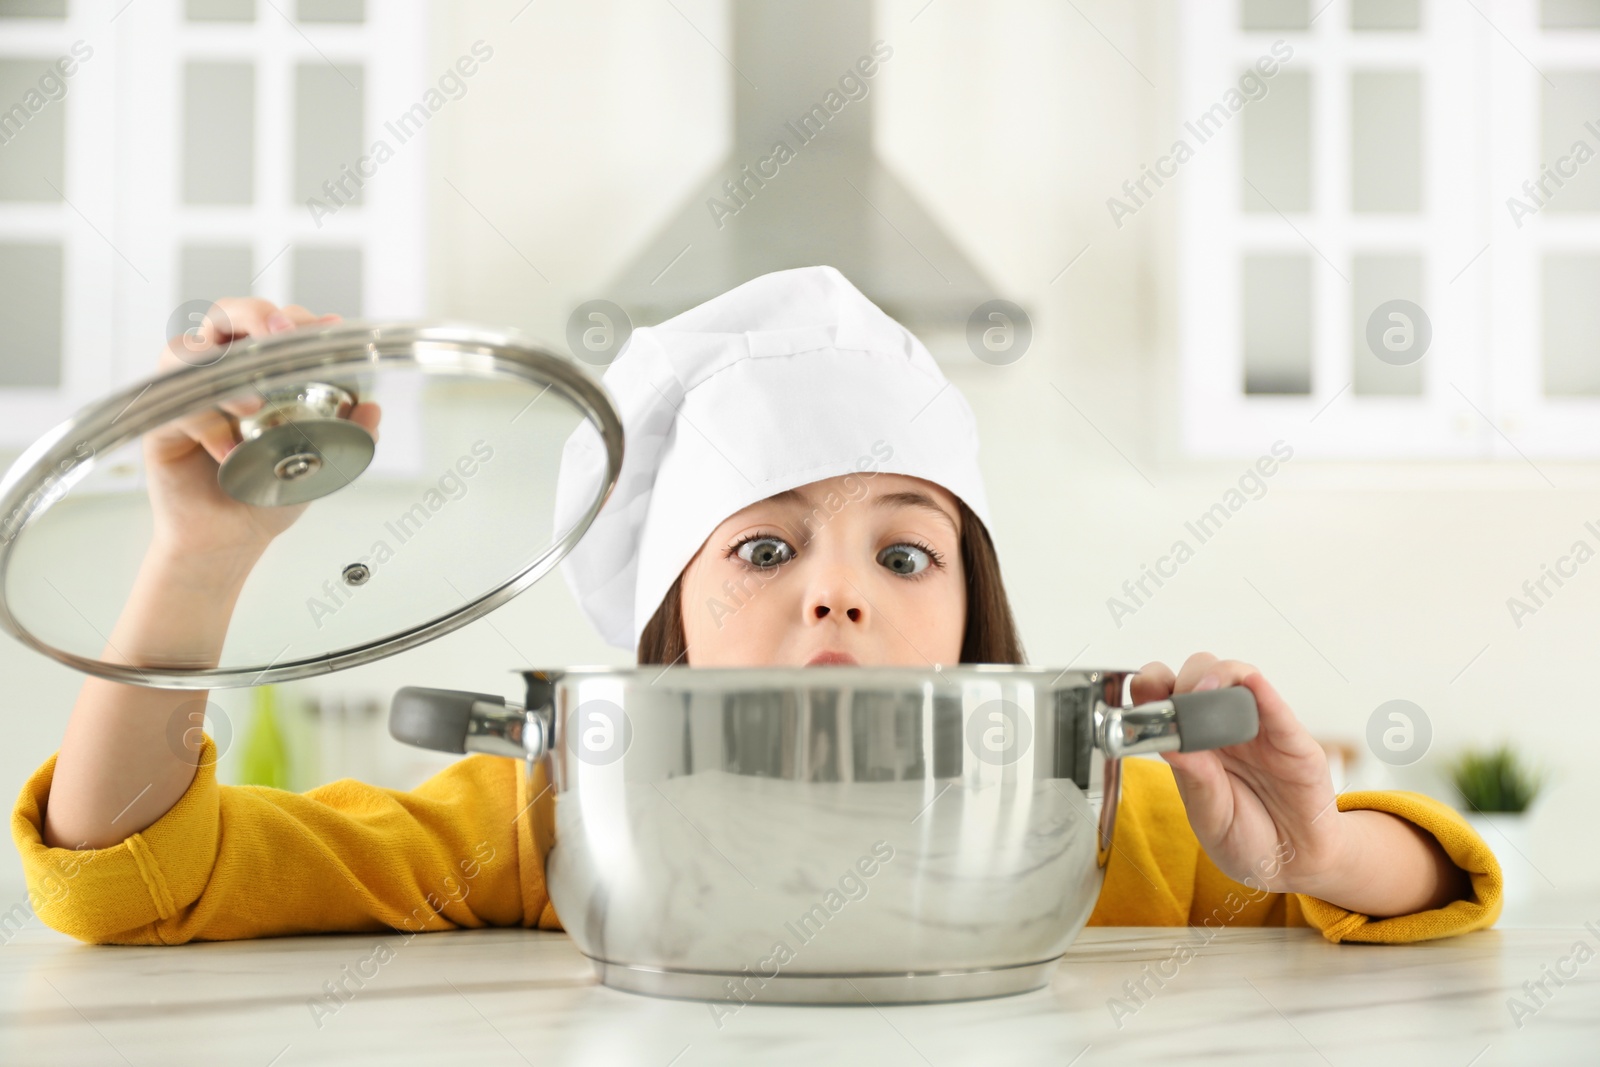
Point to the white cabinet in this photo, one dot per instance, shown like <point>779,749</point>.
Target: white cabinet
<point>199,148</point>
<point>1377,164</point>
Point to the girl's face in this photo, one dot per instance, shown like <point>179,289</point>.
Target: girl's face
<point>867,566</point>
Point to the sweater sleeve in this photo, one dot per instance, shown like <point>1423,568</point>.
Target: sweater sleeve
<point>1158,875</point>
<point>464,849</point>
<point>1460,842</point>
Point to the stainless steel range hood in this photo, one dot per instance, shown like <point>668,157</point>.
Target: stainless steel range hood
<point>824,197</point>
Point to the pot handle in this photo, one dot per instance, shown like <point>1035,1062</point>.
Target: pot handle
<point>453,720</point>
<point>1185,722</point>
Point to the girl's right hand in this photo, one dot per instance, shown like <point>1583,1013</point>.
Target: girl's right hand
<point>193,516</point>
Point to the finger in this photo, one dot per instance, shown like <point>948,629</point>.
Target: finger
<point>1153,682</point>
<point>367,415</point>
<point>217,437</point>
<point>243,403</point>
<point>211,430</point>
<point>293,317</point>
<point>230,317</point>
<point>289,318</point>
<point>1225,672</point>
<point>1204,788</point>
<point>215,429</point>
<point>226,319</point>
<point>238,316</point>
<point>1279,726</point>
<point>1194,668</point>
<point>218,434</point>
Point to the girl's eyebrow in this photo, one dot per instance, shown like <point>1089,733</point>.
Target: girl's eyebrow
<point>914,499</point>
<point>904,499</point>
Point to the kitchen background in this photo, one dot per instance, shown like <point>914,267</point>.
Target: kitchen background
<point>1171,315</point>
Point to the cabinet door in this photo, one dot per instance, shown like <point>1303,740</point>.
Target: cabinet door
<point>1332,223</point>
<point>60,257</point>
<point>205,148</point>
<point>1546,233</point>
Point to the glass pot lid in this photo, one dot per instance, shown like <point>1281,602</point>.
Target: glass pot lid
<point>386,483</point>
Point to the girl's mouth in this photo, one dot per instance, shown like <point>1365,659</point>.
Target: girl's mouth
<point>827,658</point>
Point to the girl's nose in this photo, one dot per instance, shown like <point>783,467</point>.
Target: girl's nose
<point>850,611</point>
<point>834,593</point>
<point>833,580</point>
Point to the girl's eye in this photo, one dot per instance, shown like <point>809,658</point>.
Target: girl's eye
<point>765,552</point>
<point>908,559</point>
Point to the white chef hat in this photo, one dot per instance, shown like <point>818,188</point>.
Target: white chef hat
<point>792,377</point>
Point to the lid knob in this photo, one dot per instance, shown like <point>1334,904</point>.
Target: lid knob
<point>299,446</point>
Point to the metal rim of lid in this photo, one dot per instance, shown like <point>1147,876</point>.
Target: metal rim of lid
<point>33,485</point>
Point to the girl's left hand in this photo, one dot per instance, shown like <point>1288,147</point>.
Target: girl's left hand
<point>1264,811</point>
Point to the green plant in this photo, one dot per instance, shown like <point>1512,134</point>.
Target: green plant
<point>1495,780</point>
<point>264,760</point>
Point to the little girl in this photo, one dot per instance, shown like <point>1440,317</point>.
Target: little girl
<point>800,485</point>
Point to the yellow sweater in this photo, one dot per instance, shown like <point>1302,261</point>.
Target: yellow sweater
<point>466,849</point>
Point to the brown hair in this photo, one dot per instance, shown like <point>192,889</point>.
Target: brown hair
<point>991,631</point>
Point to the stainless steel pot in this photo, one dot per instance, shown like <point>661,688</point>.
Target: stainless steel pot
<point>835,834</point>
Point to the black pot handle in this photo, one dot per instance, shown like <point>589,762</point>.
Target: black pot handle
<point>1186,722</point>
<point>453,720</point>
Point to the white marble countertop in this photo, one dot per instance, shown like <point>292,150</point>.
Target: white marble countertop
<point>1278,997</point>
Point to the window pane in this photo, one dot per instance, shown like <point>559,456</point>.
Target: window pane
<point>331,11</point>
<point>219,10</point>
<point>208,272</point>
<point>1274,14</point>
<point>30,314</point>
<point>33,134</point>
<point>1376,280</point>
<point>1571,325</point>
<point>1385,140</point>
<point>327,133</point>
<point>1277,324</point>
<point>1572,181</point>
<point>49,9</point>
<point>1277,146</point>
<point>1385,14</point>
<point>219,121</point>
<point>1569,14</point>
<point>327,280</point>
